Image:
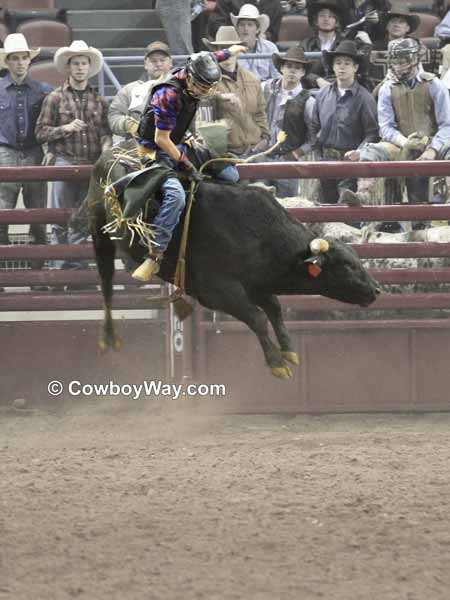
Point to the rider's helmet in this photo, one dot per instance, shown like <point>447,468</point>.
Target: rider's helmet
<point>204,70</point>
<point>403,57</point>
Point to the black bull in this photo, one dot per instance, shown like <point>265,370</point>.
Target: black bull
<point>244,249</point>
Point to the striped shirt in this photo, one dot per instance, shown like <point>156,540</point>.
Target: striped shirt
<point>60,108</point>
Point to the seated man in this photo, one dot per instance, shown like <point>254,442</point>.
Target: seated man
<point>239,101</point>
<point>289,109</point>
<point>344,118</point>
<point>223,10</point>
<point>161,131</point>
<point>250,27</point>
<point>398,23</point>
<point>413,113</point>
<point>326,17</point>
<point>129,102</point>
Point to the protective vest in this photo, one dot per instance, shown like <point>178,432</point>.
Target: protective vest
<point>146,129</point>
<point>414,108</point>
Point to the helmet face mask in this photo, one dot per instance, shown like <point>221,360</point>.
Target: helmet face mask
<point>403,58</point>
<point>203,74</point>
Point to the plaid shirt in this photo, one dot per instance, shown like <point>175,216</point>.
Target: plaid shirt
<point>61,107</point>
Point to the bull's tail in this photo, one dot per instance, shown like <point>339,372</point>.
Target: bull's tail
<point>105,252</point>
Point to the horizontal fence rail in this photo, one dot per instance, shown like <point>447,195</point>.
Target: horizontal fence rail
<point>318,214</point>
<point>285,170</point>
<point>86,251</point>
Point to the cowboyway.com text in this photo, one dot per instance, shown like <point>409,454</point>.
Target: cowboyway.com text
<point>135,391</point>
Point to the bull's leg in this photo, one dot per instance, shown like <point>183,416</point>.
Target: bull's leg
<point>105,252</point>
<point>271,306</point>
<point>233,299</point>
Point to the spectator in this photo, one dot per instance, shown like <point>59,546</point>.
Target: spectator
<point>422,133</point>
<point>20,102</point>
<point>289,109</point>
<point>398,23</point>
<point>240,101</point>
<point>221,15</point>
<point>74,124</point>
<point>175,16</point>
<point>251,26</point>
<point>326,17</point>
<point>344,117</point>
<point>127,105</point>
<point>442,30</point>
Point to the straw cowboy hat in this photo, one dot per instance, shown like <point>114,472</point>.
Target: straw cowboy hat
<point>344,48</point>
<point>401,9</point>
<point>78,48</point>
<point>295,54</point>
<point>248,11</point>
<point>225,36</point>
<point>15,42</point>
<point>314,6</point>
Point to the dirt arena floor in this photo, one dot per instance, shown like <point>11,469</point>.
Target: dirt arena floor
<point>132,501</point>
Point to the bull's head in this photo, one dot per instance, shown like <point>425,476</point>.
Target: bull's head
<point>339,273</point>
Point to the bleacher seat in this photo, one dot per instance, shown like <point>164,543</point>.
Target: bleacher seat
<point>28,4</point>
<point>427,25</point>
<point>4,31</point>
<point>421,6</point>
<point>46,71</point>
<point>293,29</point>
<point>43,33</point>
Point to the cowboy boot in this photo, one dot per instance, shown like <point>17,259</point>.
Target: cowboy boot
<point>148,268</point>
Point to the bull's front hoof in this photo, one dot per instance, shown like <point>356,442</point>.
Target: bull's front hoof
<point>114,343</point>
<point>282,372</point>
<point>292,357</point>
<point>101,345</point>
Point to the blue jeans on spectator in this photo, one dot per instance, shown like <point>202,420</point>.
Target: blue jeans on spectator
<point>174,200</point>
<point>66,194</point>
<point>34,192</point>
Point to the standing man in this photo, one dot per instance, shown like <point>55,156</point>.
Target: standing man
<point>345,117</point>
<point>164,123</point>
<point>74,124</point>
<point>127,105</point>
<point>289,109</point>
<point>175,16</point>
<point>20,103</point>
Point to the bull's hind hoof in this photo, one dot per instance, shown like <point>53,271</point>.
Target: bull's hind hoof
<point>117,344</point>
<point>292,357</point>
<point>102,345</point>
<point>282,372</point>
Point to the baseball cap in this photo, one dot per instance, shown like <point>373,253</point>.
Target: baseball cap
<point>157,47</point>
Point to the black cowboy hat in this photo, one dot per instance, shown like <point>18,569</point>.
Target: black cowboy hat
<point>295,54</point>
<point>344,48</point>
<point>400,9</point>
<point>314,6</point>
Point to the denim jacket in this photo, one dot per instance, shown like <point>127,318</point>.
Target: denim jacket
<point>15,131</point>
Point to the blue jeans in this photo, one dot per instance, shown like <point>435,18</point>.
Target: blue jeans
<point>174,201</point>
<point>66,194</point>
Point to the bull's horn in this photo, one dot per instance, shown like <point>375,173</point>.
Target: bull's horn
<point>318,245</point>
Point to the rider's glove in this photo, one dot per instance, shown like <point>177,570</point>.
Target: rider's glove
<point>187,167</point>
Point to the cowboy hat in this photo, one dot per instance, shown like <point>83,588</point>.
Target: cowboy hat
<point>225,36</point>
<point>78,48</point>
<point>400,9</point>
<point>295,54</point>
<point>15,42</point>
<point>344,48</point>
<point>314,6</point>
<point>248,11</point>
